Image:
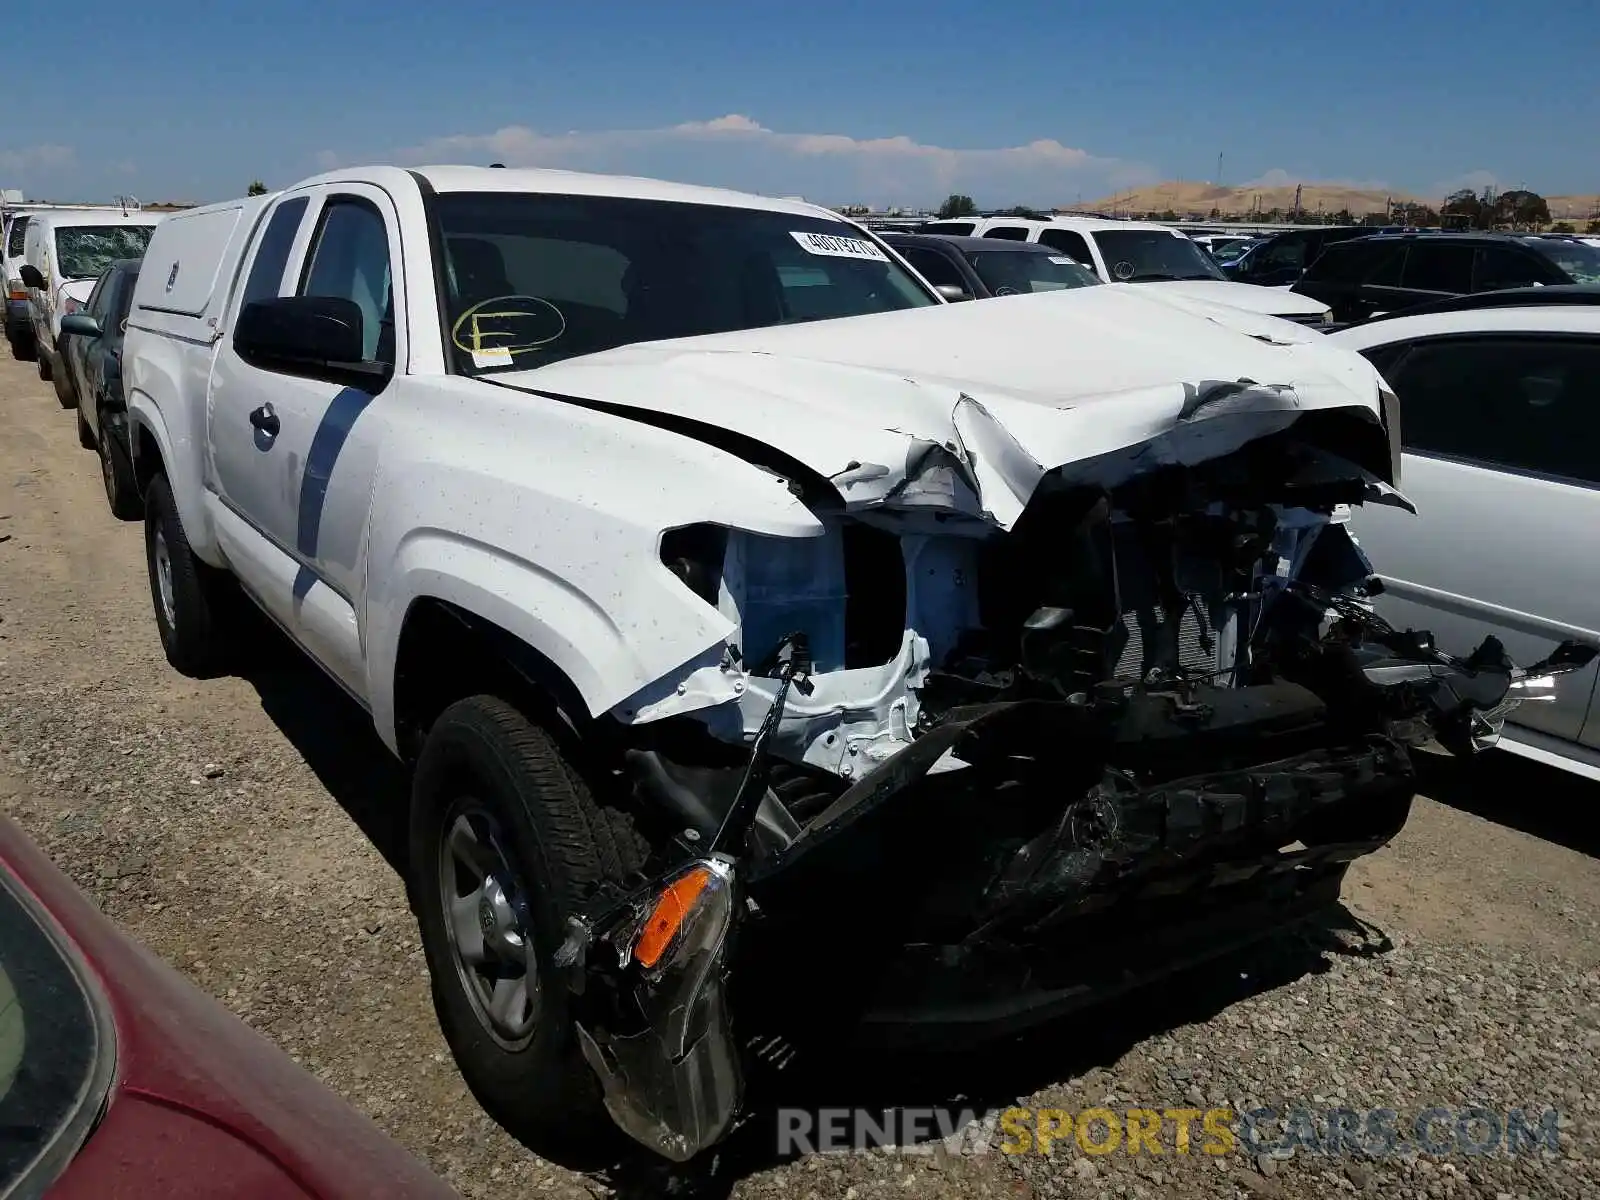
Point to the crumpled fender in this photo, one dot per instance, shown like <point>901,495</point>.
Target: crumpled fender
<point>564,549</point>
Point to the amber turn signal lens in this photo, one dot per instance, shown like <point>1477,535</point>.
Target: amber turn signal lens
<point>669,914</point>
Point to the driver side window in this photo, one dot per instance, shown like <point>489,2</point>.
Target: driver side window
<point>350,260</point>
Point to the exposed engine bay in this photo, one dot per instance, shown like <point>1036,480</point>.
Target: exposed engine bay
<point>1168,697</point>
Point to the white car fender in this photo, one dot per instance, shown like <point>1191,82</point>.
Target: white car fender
<point>563,551</point>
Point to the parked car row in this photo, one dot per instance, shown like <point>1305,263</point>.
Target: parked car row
<point>713,573</point>
<point>69,276</point>
<point>1140,253</point>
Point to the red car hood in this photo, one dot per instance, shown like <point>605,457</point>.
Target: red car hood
<point>202,1104</point>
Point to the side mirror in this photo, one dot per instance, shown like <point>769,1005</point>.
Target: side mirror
<point>318,336</point>
<point>80,323</point>
<point>951,292</point>
<point>31,276</point>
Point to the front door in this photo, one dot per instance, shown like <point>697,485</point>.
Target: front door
<point>293,463</point>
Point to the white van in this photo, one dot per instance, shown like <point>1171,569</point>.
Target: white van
<point>64,252</point>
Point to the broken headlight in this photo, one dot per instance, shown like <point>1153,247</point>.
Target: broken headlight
<point>674,1084</point>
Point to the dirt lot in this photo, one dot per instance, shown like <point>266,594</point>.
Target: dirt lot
<point>245,828</point>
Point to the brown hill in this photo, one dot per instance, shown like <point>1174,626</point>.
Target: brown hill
<point>1185,197</point>
<point>1574,208</point>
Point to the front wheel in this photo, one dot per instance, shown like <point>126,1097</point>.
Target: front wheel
<point>506,842</point>
<point>188,595</point>
<point>42,363</point>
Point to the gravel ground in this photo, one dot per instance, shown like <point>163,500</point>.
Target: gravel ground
<point>244,828</point>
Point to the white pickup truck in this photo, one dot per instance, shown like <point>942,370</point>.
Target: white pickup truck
<point>782,654</point>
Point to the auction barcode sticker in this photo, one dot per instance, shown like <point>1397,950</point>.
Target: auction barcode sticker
<point>838,247</point>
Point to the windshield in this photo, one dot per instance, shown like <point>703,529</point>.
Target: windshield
<point>55,1048</point>
<point>1017,272</point>
<point>1142,255</point>
<point>85,251</point>
<point>1580,262</point>
<point>1225,252</point>
<point>17,236</point>
<point>533,279</point>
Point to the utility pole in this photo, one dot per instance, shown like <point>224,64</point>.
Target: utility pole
<point>1219,168</point>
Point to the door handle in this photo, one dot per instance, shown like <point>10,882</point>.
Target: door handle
<point>265,420</point>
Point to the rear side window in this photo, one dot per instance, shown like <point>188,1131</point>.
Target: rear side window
<point>19,231</point>
<point>272,256</point>
<point>959,228</point>
<point>933,266</point>
<point>1069,243</point>
<point>1496,267</point>
<point>1358,262</point>
<point>1524,403</point>
<point>1436,267</point>
<point>1009,233</point>
<point>1286,253</point>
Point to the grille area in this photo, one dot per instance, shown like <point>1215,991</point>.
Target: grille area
<point>1192,654</point>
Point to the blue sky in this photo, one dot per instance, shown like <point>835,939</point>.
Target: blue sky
<point>877,103</point>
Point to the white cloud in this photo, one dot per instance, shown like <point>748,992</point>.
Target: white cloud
<point>36,158</point>
<point>327,160</point>
<point>736,150</point>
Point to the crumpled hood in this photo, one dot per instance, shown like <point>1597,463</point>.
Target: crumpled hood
<point>1277,302</point>
<point>1109,380</point>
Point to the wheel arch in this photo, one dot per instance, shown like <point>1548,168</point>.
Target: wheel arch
<point>159,447</point>
<point>445,652</point>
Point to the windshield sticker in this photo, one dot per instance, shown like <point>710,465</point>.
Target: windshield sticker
<point>1061,260</point>
<point>838,247</point>
<point>496,356</point>
<point>1124,270</point>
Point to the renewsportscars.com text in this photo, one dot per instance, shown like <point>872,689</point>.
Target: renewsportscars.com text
<point>1437,1130</point>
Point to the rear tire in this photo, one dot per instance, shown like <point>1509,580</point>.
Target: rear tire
<point>116,474</point>
<point>189,596</point>
<point>529,816</point>
<point>21,347</point>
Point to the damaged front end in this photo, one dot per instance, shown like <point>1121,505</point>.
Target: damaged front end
<point>954,772</point>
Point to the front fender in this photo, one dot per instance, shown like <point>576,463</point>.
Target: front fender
<point>575,632</point>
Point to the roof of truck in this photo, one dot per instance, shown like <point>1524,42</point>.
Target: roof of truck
<point>580,183</point>
<point>94,216</point>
